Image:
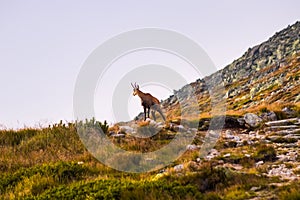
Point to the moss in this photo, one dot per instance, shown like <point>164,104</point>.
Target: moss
<point>236,193</point>
<point>265,153</point>
<point>290,192</point>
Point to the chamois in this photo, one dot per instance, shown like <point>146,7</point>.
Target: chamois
<point>148,102</point>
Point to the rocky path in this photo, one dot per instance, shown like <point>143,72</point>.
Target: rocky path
<point>287,128</point>
<point>285,135</point>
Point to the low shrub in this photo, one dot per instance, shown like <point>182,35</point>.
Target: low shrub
<point>124,189</point>
<point>290,192</point>
<point>60,173</point>
<point>236,193</point>
<point>265,153</point>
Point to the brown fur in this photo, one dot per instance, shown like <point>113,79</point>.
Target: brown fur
<point>148,102</point>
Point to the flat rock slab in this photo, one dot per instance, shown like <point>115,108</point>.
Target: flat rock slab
<point>284,122</point>
<point>284,139</point>
<point>282,127</point>
<point>288,132</point>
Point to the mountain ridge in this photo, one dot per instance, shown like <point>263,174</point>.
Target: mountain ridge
<point>264,54</point>
<point>254,72</point>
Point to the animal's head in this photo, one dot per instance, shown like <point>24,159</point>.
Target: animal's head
<point>135,88</point>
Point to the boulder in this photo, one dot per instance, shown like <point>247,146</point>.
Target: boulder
<point>252,120</point>
<point>269,116</point>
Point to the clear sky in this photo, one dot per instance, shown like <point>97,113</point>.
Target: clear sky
<point>43,44</point>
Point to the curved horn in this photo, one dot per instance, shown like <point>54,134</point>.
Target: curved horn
<point>132,85</point>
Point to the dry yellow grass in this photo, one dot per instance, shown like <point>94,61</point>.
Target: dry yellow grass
<point>115,128</point>
<point>143,123</point>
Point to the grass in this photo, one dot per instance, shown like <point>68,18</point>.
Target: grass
<point>52,163</point>
<point>290,192</point>
<point>265,153</point>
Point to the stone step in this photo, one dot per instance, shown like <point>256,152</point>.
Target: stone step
<point>287,132</point>
<point>284,122</point>
<point>287,146</point>
<point>284,139</point>
<point>287,127</point>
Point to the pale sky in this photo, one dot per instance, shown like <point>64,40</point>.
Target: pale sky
<point>43,44</point>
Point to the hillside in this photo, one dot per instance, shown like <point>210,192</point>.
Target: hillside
<point>255,156</point>
<point>266,74</point>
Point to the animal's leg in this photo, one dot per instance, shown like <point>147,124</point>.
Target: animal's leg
<point>153,115</point>
<point>145,113</point>
<point>148,112</point>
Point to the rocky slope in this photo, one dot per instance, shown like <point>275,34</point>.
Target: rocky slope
<point>262,126</point>
<point>267,73</point>
<point>270,53</point>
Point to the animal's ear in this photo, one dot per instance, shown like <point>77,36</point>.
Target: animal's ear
<point>137,86</point>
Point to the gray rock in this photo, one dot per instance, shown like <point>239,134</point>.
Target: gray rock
<point>289,112</point>
<point>126,129</point>
<point>151,122</point>
<point>283,122</point>
<point>178,128</point>
<point>259,163</point>
<point>283,172</point>
<point>178,168</point>
<point>269,116</point>
<point>159,127</point>
<point>229,134</point>
<point>227,155</point>
<point>252,120</point>
<point>290,156</point>
<point>295,132</point>
<point>254,189</point>
<point>241,121</point>
<point>221,162</point>
<point>192,147</point>
<point>212,154</point>
<point>118,135</point>
<point>278,128</point>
